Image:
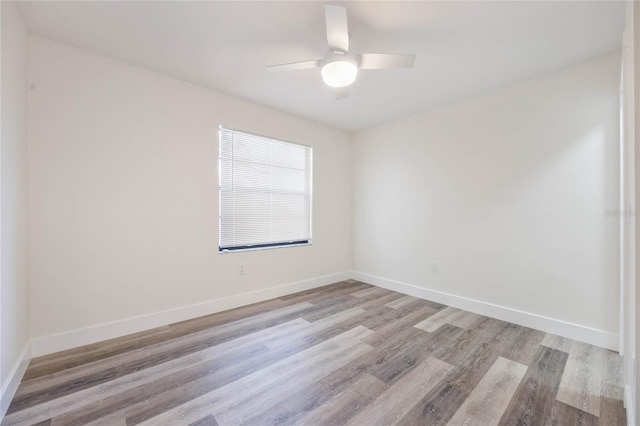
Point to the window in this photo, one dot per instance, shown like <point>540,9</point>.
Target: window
<point>264,191</point>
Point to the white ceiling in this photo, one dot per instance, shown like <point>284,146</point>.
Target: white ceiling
<point>462,48</point>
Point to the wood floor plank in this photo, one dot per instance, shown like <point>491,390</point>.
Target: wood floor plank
<point>330,404</point>
<point>381,316</point>
<point>205,421</point>
<point>346,344</point>
<point>146,392</point>
<point>244,411</point>
<point>263,399</point>
<point>171,392</point>
<point>383,359</point>
<point>59,361</point>
<point>487,331</point>
<point>340,409</point>
<point>244,324</point>
<point>614,369</point>
<point>612,410</point>
<point>334,295</point>
<point>316,294</point>
<point>448,315</point>
<point>582,378</point>
<point>402,301</point>
<point>557,342</point>
<point>60,384</point>
<point>340,322</point>
<point>524,347</point>
<point>439,406</point>
<point>378,301</point>
<point>391,406</point>
<point>534,399</point>
<point>563,414</point>
<point>412,348</point>
<point>282,347</point>
<point>408,319</point>
<point>242,344</point>
<point>343,379</point>
<point>78,356</point>
<point>80,377</point>
<point>332,306</point>
<point>488,401</point>
<point>215,375</point>
<point>113,419</point>
<point>371,292</point>
<point>83,401</point>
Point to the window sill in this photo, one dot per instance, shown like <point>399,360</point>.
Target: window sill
<point>227,251</point>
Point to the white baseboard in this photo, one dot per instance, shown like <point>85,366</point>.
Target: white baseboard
<point>630,406</point>
<point>84,336</point>
<point>550,325</point>
<point>10,385</point>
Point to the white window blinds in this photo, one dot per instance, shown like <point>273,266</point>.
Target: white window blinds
<point>265,192</point>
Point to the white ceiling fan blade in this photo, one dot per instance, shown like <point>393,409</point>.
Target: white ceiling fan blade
<point>341,92</point>
<point>375,61</point>
<point>293,66</point>
<point>337,30</point>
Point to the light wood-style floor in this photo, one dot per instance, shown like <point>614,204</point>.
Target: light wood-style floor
<point>347,353</point>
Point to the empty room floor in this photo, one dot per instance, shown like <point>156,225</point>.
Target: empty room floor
<point>347,353</point>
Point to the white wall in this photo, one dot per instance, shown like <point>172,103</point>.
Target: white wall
<point>123,203</point>
<point>14,202</point>
<point>508,191</point>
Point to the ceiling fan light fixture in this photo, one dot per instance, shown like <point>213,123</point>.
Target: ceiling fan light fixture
<point>339,68</point>
<point>339,73</point>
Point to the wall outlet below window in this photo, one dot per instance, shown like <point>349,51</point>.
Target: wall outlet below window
<point>435,267</point>
<point>242,269</point>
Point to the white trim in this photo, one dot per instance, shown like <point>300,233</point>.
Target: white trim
<point>10,386</point>
<point>550,325</point>
<point>97,333</point>
<point>629,405</point>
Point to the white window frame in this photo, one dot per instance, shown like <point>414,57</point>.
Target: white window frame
<point>293,242</point>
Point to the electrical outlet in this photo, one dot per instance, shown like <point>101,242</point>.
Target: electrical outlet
<point>242,269</point>
<point>435,267</point>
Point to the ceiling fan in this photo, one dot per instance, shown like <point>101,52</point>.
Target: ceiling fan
<point>339,67</point>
